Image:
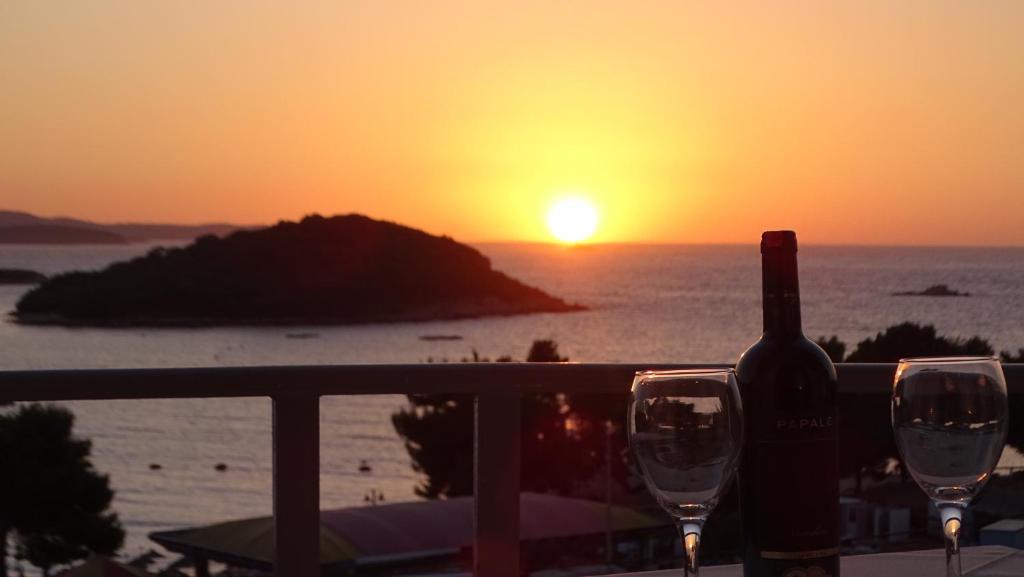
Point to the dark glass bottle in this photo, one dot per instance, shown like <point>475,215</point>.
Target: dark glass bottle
<point>789,475</point>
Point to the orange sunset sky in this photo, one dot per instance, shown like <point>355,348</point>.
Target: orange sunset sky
<point>852,122</point>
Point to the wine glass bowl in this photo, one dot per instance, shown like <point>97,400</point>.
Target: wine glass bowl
<point>686,431</point>
<point>949,418</point>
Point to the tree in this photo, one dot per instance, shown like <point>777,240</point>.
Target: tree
<point>914,340</point>
<point>866,441</point>
<point>1008,357</point>
<point>53,504</point>
<point>438,434</point>
<point>833,347</point>
<point>565,439</point>
<point>562,440</point>
<point>560,444</point>
<point>545,351</point>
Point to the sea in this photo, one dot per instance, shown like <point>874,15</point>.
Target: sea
<point>646,303</point>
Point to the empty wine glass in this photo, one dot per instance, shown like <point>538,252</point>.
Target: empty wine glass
<point>685,431</point>
<point>949,416</point>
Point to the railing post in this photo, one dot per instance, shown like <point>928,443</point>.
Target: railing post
<point>496,490</point>
<point>296,486</point>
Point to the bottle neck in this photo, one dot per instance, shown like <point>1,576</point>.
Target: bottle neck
<point>781,295</point>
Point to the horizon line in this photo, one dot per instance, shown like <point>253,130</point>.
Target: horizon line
<point>584,245</point>
<point>552,243</point>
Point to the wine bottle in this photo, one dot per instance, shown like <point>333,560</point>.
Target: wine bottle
<point>789,473</point>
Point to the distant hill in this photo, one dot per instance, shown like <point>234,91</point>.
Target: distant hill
<point>129,232</point>
<point>344,269</point>
<point>57,234</point>
<point>20,276</point>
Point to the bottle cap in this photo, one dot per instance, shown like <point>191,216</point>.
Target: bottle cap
<point>778,240</point>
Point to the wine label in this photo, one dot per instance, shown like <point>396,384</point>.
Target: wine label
<point>788,555</point>
<point>806,572</point>
<point>797,498</point>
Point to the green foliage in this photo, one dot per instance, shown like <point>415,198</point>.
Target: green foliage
<point>833,347</point>
<point>1008,357</point>
<point>914,340</point>
<point>866,442</point>
<point>346,269</point>
<point>52,502</point>
<point>438,434</point>
<point>545,351</point>
<point>911,340</point>
<point>563,437</point>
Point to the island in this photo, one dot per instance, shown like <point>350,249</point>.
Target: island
<point>28,228</point>
<point>938,290</point>
<point>337,270</point>
<point>20,276</point>
<point>57,234</point>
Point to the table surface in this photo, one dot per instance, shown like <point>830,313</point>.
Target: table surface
<point>989,561</point>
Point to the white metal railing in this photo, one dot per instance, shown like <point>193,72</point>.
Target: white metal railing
<point>295,392</point>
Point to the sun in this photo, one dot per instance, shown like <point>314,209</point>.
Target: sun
<point>572,220</point>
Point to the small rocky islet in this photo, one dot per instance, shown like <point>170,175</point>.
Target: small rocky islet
<point>937,290</point>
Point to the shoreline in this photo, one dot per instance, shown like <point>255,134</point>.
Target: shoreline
<point>46,320</point>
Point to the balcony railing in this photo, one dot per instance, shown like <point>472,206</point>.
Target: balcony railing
<point>295,392</point>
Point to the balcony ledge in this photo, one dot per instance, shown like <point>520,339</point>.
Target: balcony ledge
<point>987,561</point>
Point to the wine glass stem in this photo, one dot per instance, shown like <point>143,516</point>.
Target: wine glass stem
<point>690,533</point>
<point>951,526</point>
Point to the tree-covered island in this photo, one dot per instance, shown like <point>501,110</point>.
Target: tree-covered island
<point>342,269</point>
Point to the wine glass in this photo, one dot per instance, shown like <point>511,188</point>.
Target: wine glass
<point>685,431</point>
<point>949,416</point>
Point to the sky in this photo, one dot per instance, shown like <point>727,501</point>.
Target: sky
<point>851,122</point>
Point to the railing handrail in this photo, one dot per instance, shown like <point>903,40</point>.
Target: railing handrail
<point>295,391</point>
<point>323,380</point>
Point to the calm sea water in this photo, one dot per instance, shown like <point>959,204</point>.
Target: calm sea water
<point>648,304</point>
